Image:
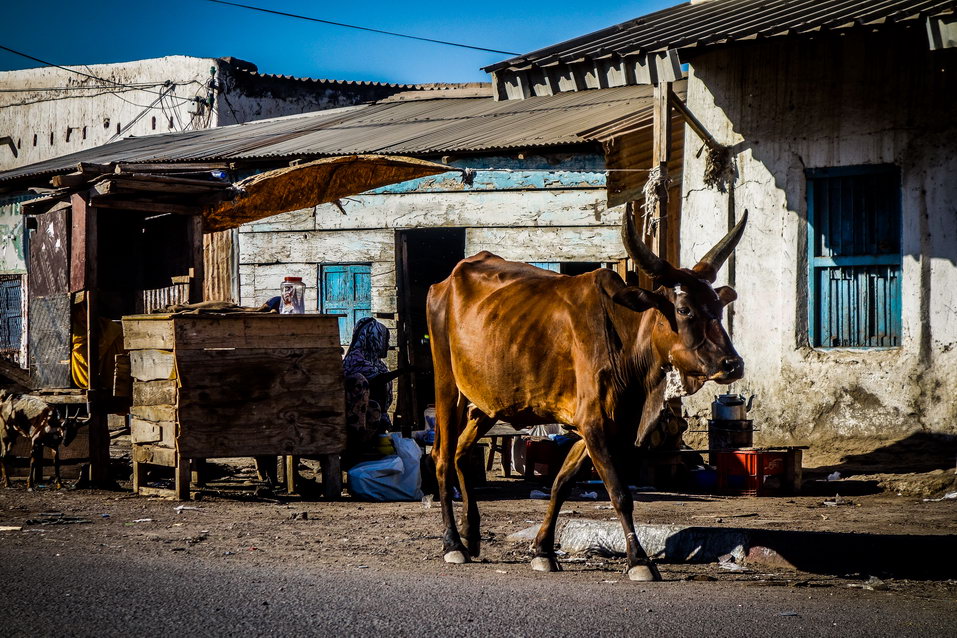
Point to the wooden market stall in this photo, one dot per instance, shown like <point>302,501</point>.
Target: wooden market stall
<point>238,384</point>
<point>120,239</point>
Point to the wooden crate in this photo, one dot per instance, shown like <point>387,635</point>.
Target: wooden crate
<point>235,384</point>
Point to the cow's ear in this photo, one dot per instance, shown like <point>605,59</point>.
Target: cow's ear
<point>726,294</point>
<point>638,299</point>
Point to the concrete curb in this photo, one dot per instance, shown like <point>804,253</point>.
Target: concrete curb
<point>888,555</point>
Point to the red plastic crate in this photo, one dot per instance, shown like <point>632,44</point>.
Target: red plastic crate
<point>747,471</point>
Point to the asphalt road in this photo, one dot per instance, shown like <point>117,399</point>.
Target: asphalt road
<point>44,594</point>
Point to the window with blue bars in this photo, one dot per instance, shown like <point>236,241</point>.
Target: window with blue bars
<point>854,256</point>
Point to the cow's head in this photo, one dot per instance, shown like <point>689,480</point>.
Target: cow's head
<point>688,337</point>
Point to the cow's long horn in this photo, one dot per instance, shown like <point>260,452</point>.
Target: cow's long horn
<point>646,260</point>
<point>711,263</point>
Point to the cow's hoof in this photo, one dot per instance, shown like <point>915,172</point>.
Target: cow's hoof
<point>456,557</point>
<point>545,564</point>
<point>643,573</point>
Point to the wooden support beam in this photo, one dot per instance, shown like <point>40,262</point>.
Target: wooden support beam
<point>331,476</point>
<point>661,154</point>
<point>158,208</point>
<point>181,480</point>
<point>693,122</point>
<point>172,167</point>
<point>194,235</point>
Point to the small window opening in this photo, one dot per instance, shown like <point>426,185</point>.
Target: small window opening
<point>84,132</point>
<point>34,139</point>
<point>69,131</point>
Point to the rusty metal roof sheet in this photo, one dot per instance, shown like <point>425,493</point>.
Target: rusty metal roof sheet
<point>417,128</point>
<point>712,22</point>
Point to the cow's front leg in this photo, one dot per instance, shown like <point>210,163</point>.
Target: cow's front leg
<point>640,567</point>
<point>4,475</point>
<point>544,545</point>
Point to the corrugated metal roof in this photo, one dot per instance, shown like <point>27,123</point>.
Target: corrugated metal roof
<point>417,128</point>
<point>713,22</point>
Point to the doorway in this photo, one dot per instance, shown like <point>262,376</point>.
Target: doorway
<point>424,256</point>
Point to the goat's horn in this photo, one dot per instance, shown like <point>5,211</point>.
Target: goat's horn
<point>711,263</point>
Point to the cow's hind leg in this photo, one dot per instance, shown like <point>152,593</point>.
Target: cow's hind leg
<point>449,412</point>
<point>478,424</point>
<point>544,545</point>
<point>640,567</point>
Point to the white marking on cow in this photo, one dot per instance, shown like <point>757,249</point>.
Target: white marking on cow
<point>674,385</point>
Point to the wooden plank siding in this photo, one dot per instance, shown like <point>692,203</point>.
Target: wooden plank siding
<point>212,386</point>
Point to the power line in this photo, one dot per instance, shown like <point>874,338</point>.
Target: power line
<point>40,89</point>
<point>352,26</point>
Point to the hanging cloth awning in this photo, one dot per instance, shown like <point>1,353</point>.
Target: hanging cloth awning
<point>319,182</point>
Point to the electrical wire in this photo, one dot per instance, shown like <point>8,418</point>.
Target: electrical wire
<point>352,26</point>
<point>39,89</point>
<point>88,75</point>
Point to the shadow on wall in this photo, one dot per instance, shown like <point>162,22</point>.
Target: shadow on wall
<point>916,453</point>
<point>827,102</point>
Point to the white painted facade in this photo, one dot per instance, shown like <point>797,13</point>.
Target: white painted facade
<point>795,104</point>
<point>49,112</point>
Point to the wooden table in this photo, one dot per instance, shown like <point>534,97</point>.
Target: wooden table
<point>500,439</point>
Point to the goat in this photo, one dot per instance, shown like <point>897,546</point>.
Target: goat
<point>32,418</point>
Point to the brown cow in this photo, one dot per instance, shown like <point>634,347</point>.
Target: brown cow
<point>529,346</point>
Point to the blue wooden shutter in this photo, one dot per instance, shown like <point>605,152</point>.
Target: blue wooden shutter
<point>546,265</point>
<point>11,314</point>
<point>346,289</point>
<point>854,256</point>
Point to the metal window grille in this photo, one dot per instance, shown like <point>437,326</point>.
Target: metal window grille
<point>854,256</point>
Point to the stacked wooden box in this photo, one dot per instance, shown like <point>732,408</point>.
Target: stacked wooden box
<point>234,384</point>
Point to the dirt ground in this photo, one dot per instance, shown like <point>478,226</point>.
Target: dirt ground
<point>232,520</point>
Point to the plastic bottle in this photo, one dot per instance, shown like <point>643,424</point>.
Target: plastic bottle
<point>292,295</point>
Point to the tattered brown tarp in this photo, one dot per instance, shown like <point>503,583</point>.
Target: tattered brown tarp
<point>319,182</point>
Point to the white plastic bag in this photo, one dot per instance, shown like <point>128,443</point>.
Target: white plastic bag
<point>395,478</point>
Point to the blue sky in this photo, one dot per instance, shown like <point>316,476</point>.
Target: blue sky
<point>93,32</point>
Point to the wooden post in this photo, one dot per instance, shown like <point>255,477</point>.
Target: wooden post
<point>182,478</point>
<point>331,476</point>
<point>661,154</point>
<point>194,235</point>
<point>139,476</point>
<point>291,465</point>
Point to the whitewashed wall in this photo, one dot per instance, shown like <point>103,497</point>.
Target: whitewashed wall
<point>84,114</point>
<point>858,100</point>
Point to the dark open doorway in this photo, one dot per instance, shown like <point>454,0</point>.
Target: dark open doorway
<point>423,257</point>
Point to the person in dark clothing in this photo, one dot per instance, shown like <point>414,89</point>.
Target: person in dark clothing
<point>370,345</point>
<point>368,386</point>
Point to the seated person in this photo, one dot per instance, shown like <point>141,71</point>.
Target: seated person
<point>368,384</point>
